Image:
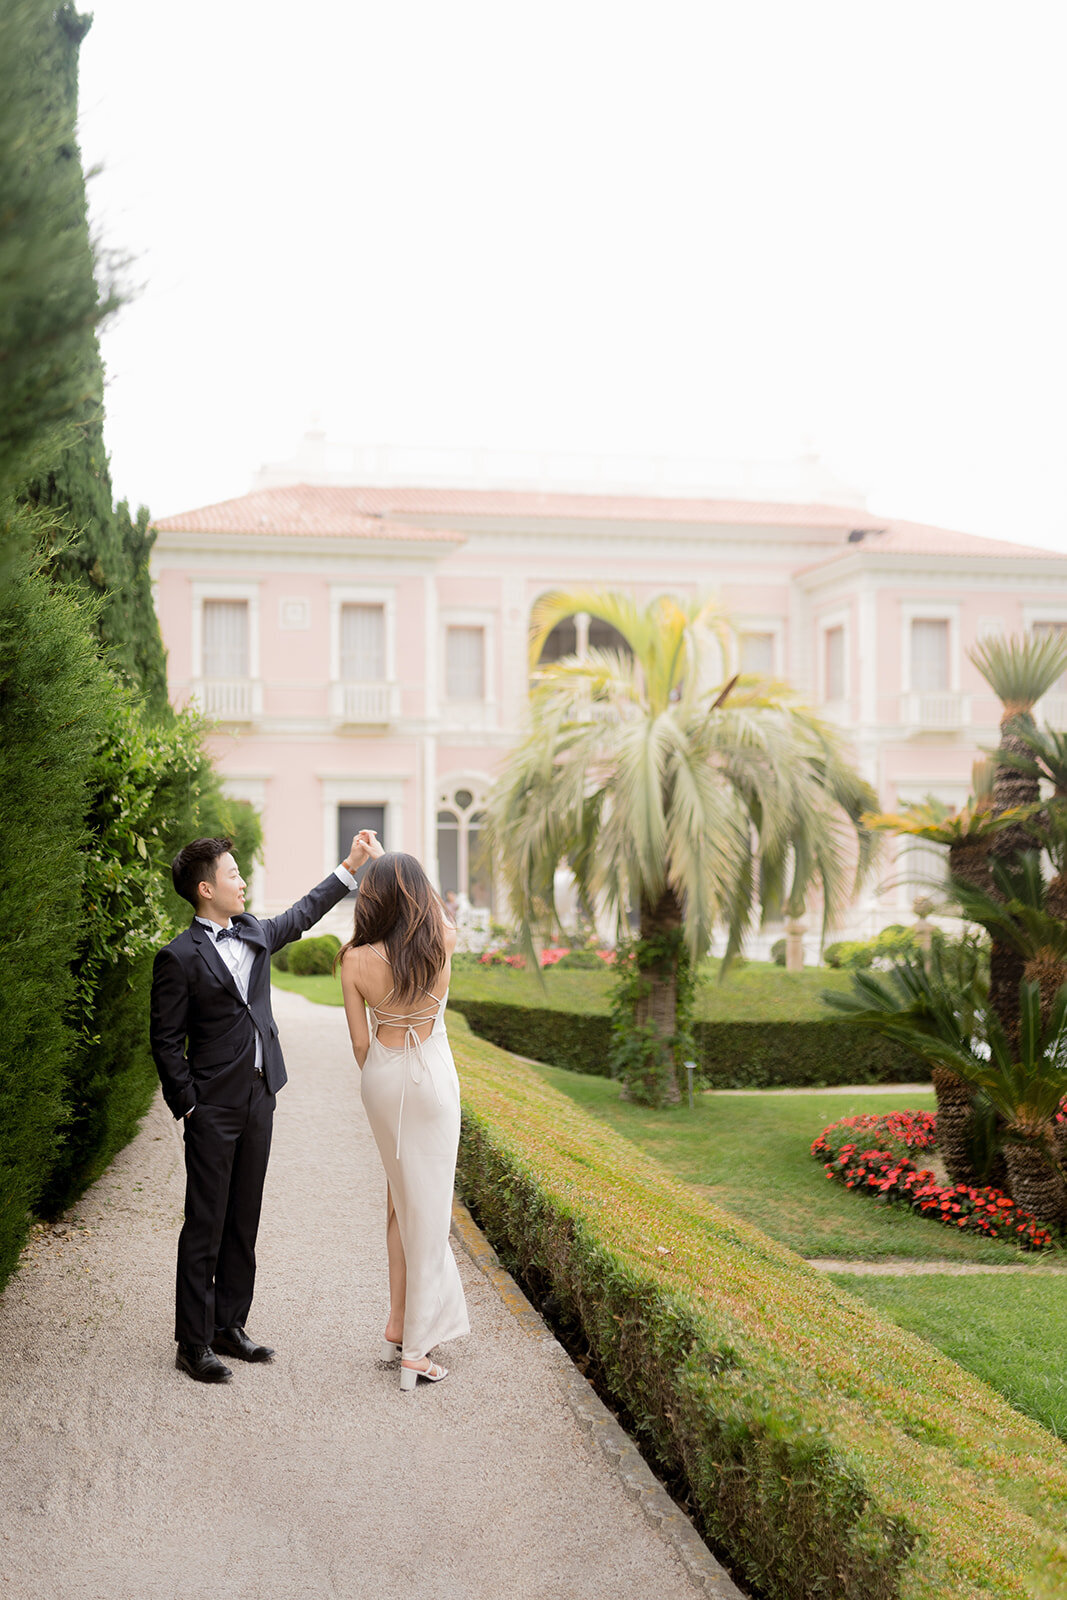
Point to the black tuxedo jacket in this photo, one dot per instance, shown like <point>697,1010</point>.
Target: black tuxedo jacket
<point>203,1034</point>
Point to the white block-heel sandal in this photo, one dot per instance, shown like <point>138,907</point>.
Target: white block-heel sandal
<point>409,1376</point>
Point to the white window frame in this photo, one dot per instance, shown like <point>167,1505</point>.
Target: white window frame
<point>362,595</point>
<point>205,589</point>
<point>772,625</point>
<point>387,708</point>
<point>479,785</point>
<point>226,589</point>
<point>1053,706</point>
<point>930,611</point>
<point>825,624</point>
<point>339,790</point>
<point>483,617</point>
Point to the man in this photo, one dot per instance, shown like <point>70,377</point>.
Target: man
<point>216,1050</point>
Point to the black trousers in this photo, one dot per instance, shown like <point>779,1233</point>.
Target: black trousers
<point>226,1153</point>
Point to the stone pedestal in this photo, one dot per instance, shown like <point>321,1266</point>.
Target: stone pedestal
<point>795,929</point>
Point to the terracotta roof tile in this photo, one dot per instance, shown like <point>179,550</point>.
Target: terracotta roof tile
<point>300,509</point>
<point>893,537</point>
<point>371,512</point>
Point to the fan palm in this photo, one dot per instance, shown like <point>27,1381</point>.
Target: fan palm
<point>1019,670</point>
<point>1023,1081</point>
<point>952,986</point>
<point>1045,758</point>
<point>1016,914</point>
<point>967,831</point>
<point>691,802</point>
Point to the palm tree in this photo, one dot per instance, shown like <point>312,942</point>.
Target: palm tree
<point>1019,670</point>
<point>692,803</point>
<point>1016,914</point>
<point>1045,759</point>
<point>1022,1081</point>
<point>952,984</point>
<point>967,832</point>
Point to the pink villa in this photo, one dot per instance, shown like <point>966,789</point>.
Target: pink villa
<point>363,648</point>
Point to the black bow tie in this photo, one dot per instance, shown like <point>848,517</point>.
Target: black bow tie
<point>227,933</point>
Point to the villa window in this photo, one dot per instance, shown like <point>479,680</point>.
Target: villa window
<point>929,654</point>
<point>462,858</point>
<point>561,641</point>
<point>1047,629</point>
<point>225,639</point>
<point>465,663</point>
<point>756,654</point>
<point>363,643</point>
<point>834,663</point>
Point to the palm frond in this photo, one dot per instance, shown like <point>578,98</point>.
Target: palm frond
<point>1021,668</point>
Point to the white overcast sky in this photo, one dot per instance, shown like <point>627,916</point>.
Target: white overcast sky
<point>723,228</point>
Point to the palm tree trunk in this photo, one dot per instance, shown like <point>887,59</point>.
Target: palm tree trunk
<point>1010,788</point>
<point>955,1125</point>
<point>1036,1186</point>
<point>657,1005</point>
<point>968,860</point>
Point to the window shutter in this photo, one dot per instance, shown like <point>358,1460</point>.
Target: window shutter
<point>225,639</point>
<point>465,663</point>
<point>835,663</point>
<point>929,654</point>
<point>363,643</point>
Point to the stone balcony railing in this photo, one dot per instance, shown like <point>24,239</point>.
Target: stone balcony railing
<point>364,704</point>
<point>229,699</point>
<point>935,711</point>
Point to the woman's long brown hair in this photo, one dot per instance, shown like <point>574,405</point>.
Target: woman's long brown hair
<point>398,906</point>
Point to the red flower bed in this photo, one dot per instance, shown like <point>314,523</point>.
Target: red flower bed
<point>867,1153</point>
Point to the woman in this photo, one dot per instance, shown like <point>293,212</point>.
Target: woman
<point>394,978</point>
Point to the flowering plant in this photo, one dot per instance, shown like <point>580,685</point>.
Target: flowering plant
<point>497,958</point>
<point>866,1153</point>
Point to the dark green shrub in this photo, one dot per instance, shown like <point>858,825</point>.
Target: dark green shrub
<point>54,697</point>
<point>729,1055</point>
<point>138,783</point>
<point>778,952</point>
<point>581,961</point>
<point>280,958</point>
<point>313,957</point>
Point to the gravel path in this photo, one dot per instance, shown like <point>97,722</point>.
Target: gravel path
<point>120,1479</point>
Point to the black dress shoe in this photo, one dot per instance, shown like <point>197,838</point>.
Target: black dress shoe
<point>201,1363</point>
<point>234,1341</point>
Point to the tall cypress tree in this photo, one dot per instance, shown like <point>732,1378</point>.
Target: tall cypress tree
<point>100,548</point>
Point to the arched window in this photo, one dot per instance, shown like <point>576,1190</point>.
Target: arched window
<point>602,636</point>
<point>577,635</point>
<point>562,641</point>
<point>462,856</point>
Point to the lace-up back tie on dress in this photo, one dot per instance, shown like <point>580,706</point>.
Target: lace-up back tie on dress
<point>410,1093</point>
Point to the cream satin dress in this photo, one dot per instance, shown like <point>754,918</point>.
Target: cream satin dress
<point>410,1093</point>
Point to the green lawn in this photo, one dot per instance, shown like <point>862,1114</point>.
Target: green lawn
<point>750,1154</point>
<point>759,991</point>
<point>756,992</point>
<point>326,991</point>
<point>1011,1331</point>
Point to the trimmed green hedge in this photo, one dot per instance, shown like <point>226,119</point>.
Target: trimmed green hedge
<point>825,1450</point>
<point>730,1055</point>
<point>312,956</point>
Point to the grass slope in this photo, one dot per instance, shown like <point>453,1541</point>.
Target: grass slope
<point>750,1154</point>
<point>829,1450</point>
<point>1010,1331</point>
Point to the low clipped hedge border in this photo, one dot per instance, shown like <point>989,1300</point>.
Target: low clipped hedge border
<point>729,1055</point>
<point>826,1451</point>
